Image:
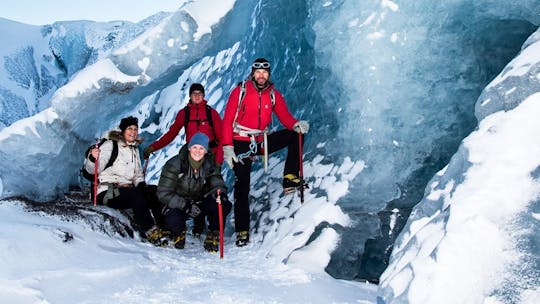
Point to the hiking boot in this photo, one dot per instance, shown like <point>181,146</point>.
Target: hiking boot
<point>292,182</point>
<point>155,235</point>
<point>211,243</point>
<point>242,238</point>
<point>199,225</point>
<point>180,241</point>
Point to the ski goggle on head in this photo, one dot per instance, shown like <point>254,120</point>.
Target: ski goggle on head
<point>261,65</point>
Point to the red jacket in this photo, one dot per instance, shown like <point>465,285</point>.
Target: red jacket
<point>197,112</point>
<point>255,112</point>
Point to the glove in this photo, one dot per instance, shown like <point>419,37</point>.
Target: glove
<point>192,209</point>
<point>223,198</point>
<point>148,151</point>
<point>228,156</point>
<point>301,126</point>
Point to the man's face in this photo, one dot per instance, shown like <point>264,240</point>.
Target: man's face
<point>196,97</point>
<point>261,77</point>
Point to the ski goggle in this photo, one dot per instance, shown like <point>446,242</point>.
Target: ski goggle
<point>261,65</point>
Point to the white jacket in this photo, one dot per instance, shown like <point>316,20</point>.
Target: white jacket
<point>126,169</point>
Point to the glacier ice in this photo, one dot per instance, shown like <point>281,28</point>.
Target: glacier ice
<point>476,221</point>
<point>37,60</point>
<point>389,88</point>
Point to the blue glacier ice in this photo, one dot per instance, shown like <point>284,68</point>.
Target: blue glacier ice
<point>483,208</point>
<point>391,90</point>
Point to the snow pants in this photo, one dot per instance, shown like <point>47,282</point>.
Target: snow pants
<point>131,198</point>
<point>175,219</point>
<point>276,141</point>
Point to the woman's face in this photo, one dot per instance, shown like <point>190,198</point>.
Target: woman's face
<point>197,152</point>
<point>131,133</point>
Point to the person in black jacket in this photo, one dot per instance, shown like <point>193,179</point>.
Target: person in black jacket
<point>188,186</point>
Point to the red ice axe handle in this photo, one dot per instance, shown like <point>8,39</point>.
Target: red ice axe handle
<point>220,213</point>
<point>301,167</point>
<point>96,167</point>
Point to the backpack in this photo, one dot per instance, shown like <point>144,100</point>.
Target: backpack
<point>114,154</point>
<point>213,143</point>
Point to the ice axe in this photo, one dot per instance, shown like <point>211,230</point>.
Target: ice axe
<point>220,214</point>
<point>96,167</point>
<point>301,168</point>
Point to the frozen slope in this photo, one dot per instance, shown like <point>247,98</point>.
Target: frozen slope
<point>474,236</point>
<point>39,264</point>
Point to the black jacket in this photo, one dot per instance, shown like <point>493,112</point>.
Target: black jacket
<point>180,183</point>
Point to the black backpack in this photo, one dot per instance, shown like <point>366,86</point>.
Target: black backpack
<point>213,143</point>
<point>114,154</point>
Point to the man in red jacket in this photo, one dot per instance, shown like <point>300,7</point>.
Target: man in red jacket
<point>247,116</point>
<point>194,120</point>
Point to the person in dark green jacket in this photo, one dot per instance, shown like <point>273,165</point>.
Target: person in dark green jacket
<point>188,186</point>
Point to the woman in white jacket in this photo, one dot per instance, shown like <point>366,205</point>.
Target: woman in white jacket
<point>121,185</point>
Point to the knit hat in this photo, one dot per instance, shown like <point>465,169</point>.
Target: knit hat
<point>260,63</point>
<point>199,139</point>
<point>196,87</point>
<point>128,121</point>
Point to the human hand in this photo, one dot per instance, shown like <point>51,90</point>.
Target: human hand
<point>229,156</point>
<point>301,126</point>
<point>95,152</point>
<point>192,209</point>
<point>149,150</point>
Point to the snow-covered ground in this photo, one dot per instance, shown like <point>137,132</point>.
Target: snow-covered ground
<point>39,265</point>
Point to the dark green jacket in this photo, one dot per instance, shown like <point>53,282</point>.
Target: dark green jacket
<point>180,183</point>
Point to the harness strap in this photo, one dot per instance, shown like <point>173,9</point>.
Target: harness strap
<point>252,133</point>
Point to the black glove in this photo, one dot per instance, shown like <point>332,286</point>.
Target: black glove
<point>149,150</point>
<point>192,209</point>
<point>141,186</point>
<point>223,197</point>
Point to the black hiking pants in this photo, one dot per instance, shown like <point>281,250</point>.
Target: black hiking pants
<point>132,198</point>
<point>276,141</point>
<point>175,219</point>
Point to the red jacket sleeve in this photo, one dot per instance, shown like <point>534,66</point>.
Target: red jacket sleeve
<point>168,137</point>
<point>228,117</point>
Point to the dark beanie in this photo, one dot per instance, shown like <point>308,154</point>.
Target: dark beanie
<point>260,60</point>
<point>128,121</point>
<point>199,139</point>
<point>196,87</point>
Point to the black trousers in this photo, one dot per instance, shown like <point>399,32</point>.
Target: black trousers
<point>276,141</point>
<point>134,199</point>
<point>175,219</point>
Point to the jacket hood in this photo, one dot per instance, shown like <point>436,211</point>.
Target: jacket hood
<point>118,136</point>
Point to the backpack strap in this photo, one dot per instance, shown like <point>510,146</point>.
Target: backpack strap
<point>208,118</point>
<point>114,155</point>
<point>211,122</point>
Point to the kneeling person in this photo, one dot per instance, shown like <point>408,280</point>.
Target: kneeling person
<point>188,186</point>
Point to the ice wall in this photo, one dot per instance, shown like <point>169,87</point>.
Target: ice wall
<point>403,78</point>
<point>474,236</point>
<point>37,60</point>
